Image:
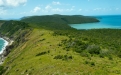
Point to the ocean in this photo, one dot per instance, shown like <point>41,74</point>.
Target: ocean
<point>3,44</point>
<point>106,22</point>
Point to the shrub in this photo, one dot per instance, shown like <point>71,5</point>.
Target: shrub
<point>86,62</point>
<point>70,57</point>
<point>85,54</point>
<point>58,57</point>
<point>42,53</point>
<point>110,57</point>
<point>48,51</point>
<point>2,70</point>
<point>92,63</point>
<point>59,44</point>
<point>105,53</point>
<point>93,49</point>
<point>42,40</point>
<point>101,56</point>
<point>63,57</point>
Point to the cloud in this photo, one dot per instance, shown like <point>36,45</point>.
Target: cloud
<point>48,7</point>
<point>117,8</point>
<point>1,3</point>
<point>97,9</point>
<point>51,8</point>
<point>73,6</point>
<point>57,10</point>
<point>106,9</point>
<point>2,11</point>
<point>80,9</point>
<point>12,3</point>
<point>110,9</point>
<point>69,9</point>
<point>36,9</point>
<point>56,3</point>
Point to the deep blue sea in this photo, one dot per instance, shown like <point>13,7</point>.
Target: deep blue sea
<point>107,21</point>
<point>3,44</point>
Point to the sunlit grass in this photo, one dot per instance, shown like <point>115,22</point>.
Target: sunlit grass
<point>23,60</point>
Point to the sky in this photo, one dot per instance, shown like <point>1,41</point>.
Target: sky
<point>14,9</point>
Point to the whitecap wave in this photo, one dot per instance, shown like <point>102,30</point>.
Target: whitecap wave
<point>4,46</point>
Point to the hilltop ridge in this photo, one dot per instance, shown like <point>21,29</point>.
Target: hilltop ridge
<point>63,19</point>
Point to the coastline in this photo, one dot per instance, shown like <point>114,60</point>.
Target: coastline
<point>8,42</point>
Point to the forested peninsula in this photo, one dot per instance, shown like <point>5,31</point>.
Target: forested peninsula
<point>47,45</point>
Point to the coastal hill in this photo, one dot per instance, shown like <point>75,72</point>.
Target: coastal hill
<point>57,22</point>
<point>51,47</point>
<point>63,19</point>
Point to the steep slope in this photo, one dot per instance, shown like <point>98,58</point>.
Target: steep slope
<point>8,28</point>
<point>43,54</point>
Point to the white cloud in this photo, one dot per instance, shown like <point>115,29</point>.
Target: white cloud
<point>117,8</point>
<point>36,9</point>
<point>105,9</point>
<point>2,11</point>
<point>12,3</point>
<point>48,7</point>
<point>57,10</point>
<point>97,9</point>
<point>1,3</point>
<point>80,9</point>
<point>56,3</point>
<point>69,10</point>
<point>73,6</point>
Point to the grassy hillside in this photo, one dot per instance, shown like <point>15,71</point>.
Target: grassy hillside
<point>57,49</point>
<point>42,54</point>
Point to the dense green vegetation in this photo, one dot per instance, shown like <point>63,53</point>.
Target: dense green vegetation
<point>103,42</point>
<point>47,45</point>
<point>10,27</point>
<point>2,70</point>
<point>62,19</point>
<point>52,26</point>
<point>57,22</point>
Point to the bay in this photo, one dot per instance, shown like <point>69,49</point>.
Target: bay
<point>106,22</point>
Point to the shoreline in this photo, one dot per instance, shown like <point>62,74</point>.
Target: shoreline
<point>8,42</point>
<point>4,45</point>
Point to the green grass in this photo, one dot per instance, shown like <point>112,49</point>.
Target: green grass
<point>23,60</point>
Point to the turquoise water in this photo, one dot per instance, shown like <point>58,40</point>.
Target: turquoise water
<point>108,22</point>
<point>3,44</point>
